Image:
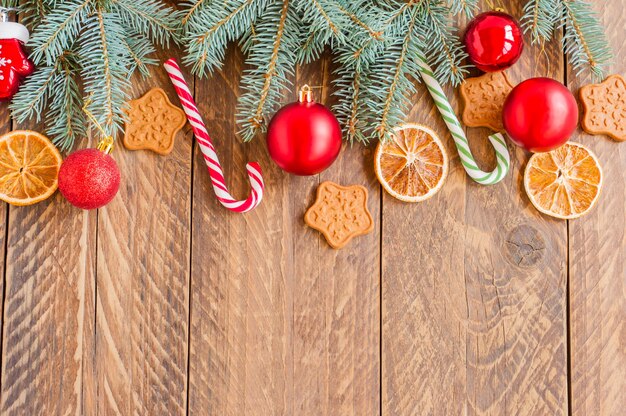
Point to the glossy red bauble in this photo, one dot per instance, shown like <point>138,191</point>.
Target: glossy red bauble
<point>540,114</point>
<point>494,41</point>
<point>89,178</point>
<point>304,137</point>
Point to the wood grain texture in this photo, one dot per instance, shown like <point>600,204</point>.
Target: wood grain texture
<point>6,123</point>
<point>474,287</point>
<point>48,334</point>
<point>597,279</point>
<point>337,324</point>
<point>143,277</point>
<point>242,290</point>
<point>280,323</point>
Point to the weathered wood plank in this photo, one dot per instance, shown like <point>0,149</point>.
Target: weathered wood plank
<point>241,282</point>
<point>280,323</point>
<point>597,291</point>
<point>143,277</point>
<point>337,326</point>
<point>474,288</point>
<point>49,312</point>
<point>5,126</point>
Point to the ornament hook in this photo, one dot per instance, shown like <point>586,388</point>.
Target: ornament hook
<point>4,13</point>
<point>105,144</point>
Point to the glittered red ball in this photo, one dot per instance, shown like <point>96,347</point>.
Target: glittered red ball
<point>540,114</point>
<point>304,138</point>
<point>89,178</point>
<point>494,41</point>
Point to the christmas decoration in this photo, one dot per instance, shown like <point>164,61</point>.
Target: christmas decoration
<point>90,178</point>
<point>483,98</point>
<point>210,156</point>
<point>14,63</point>
<point>96,44</point>
<point>340,213</point>
<point>493,41</point>
<point>29,166</point>
<point>153,122</point>
<point>304,137</point>
<point>458,134</point>
<point>540,114</point>
<point>413,164</point>
<point>604,108</point>
<point>564,183</point>
<point>375,46</point>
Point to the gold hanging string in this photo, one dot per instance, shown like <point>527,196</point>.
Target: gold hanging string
<point>105,144</point>
<point>543,52</point>
<point>497,6</point>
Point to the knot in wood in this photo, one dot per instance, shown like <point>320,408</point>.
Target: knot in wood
<point>524,246</point>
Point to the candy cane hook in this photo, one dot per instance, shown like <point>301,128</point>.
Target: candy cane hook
<point>503,159</point>
<point>208,150</point>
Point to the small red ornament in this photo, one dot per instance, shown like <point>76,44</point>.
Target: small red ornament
<point>494,41</point>
<point>540,114</point>
<point>90,178</point>
<point>14,63</point>
<point>304,137</point>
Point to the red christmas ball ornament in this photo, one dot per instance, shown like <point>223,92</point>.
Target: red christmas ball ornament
<point>14,63</point>
<point>494,41</point>
<point>90,178</point>
<point>304,137</point>
<point>540,114</point>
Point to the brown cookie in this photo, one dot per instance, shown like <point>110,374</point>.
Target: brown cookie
<point>604,107</point>
<point>484,98</point>
<point>153,122</point>
<point>340,213</point>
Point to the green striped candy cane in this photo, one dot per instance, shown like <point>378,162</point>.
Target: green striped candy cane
<point>460,140</point>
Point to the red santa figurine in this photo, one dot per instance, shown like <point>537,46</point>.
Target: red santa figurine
<point>14,63</point>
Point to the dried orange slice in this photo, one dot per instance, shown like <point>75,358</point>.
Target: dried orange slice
<point>412,165</point>
<point>29,166</point>
<point>564,183</point>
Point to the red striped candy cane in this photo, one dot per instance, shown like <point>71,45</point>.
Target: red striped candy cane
<point>206,146</point>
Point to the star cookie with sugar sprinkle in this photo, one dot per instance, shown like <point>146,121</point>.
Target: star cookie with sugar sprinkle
<point>340,213</point>
<point>604,107</point>
<point>484,98</point>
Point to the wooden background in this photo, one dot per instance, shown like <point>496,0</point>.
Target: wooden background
<point>165,303</point>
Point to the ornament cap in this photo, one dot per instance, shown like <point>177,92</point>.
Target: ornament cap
<point>305,95</point>
<point>105,145</point>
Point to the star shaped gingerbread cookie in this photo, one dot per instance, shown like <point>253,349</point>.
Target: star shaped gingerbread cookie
<point>153,122</point>
<point>484,98</point>
<point>604,107</point>
<point>340,213</point>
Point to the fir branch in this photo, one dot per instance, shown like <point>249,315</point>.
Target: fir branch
<point>390,85</point>
<point>59,31</point>
<point>584,41</point>
<point>104,62</point>
<point>192,8</point>
<point>350,110</point>
<point>539,18</point>
<point>463,6</point>
<point>66,120</point>
<point>272,59</point>
<point>150,18</point>
<point>326,23</point>
<point>441,43</point>
<point>139,49</point>
<point>210,28</point>
<point>374,33</point>
<point>31,98</point>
